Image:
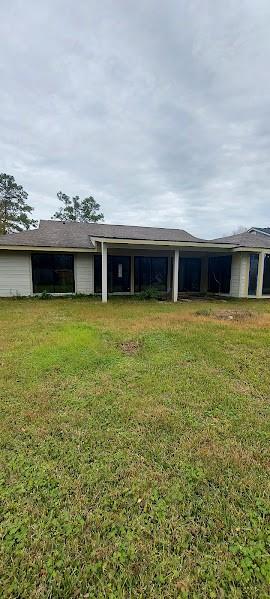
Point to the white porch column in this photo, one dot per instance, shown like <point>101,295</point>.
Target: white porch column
<point>260,274</point>
<point>175,276</point>
<point>104,270</point>
<point>132,285</point>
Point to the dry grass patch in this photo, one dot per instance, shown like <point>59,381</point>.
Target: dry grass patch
<point>233,315</point>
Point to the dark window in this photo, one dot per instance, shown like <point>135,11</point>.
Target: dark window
<point>53,273</point>
<point>266,275</point>
<point>150,272</point>
<point>219,274</point>
<point>253,274</point>
<point>190,274</point>
<point>118,274</point>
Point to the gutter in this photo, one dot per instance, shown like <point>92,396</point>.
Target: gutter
<point>176,244</point>
<point>43,248</point>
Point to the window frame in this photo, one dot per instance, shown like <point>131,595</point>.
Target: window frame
<point>149,270</point>
<point>265,273</point>
<point>39,288</point>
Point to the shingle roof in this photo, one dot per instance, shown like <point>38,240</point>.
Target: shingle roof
<point>245,240</point>
<point>63,234</point>
<point>55,234</point>
<point>78,235</point>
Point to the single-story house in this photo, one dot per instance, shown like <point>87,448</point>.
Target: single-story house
<point>72,257</point>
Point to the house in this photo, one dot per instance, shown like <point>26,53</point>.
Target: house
<point>72,257</point>
<point>260,230</point>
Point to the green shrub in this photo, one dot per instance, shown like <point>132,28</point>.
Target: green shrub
<point>152,294</point>
<point>45,295</point>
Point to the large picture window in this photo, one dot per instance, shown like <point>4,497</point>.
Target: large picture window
<point>266,275</point>
<point>53,273</point>
<point>150,272</point>
<point>219,274</point>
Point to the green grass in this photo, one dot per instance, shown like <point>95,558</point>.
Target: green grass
<point>134,471</point>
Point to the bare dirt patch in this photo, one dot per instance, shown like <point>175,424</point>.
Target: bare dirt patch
<point>233,315</point>
<point>236,315</point>
<point>130,348</point>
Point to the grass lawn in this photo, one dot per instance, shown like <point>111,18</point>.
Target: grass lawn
<point>134,449</point>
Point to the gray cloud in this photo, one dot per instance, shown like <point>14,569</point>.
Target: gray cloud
<point>159,110</point>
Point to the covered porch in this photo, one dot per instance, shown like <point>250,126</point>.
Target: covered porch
<point>132,270</point>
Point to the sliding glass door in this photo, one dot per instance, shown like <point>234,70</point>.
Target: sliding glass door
<point>253,274</point>
<point>150,272</point>
<point>190,274</point>
<point>266,275</point>
<point>118,274</point>
<point>219,274</point>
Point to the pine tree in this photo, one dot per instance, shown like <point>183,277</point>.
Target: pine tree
<point>14,211</point>
<point>86,210</point>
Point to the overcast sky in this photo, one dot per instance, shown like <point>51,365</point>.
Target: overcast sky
<point>161,110</point>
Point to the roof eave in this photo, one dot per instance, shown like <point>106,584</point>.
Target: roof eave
<point>43,248</point>
<point>163,242</point>
<point>242,248</point>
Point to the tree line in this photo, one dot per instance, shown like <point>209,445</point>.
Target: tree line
<point>16,213</point>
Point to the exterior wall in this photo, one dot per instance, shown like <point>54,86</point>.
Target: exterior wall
<point>84,273</point>
<point>235,275</point>
<point>15,273</point>
<point>240,274</point>
<point>244,275</point>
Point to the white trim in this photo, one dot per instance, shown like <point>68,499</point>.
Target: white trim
<point>251,250</point>
<point>174,244</point>
<point>142,242</point>
<point>75,273</point>
<point>175,276</point>
<point>36,248</point>
<point>104,271</point>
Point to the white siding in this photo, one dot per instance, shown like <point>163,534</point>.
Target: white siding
<point>239,275</point>
<point>244,272</point>
<point>84,273</point>
<point>15,273</point>
<point>235,275</point>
